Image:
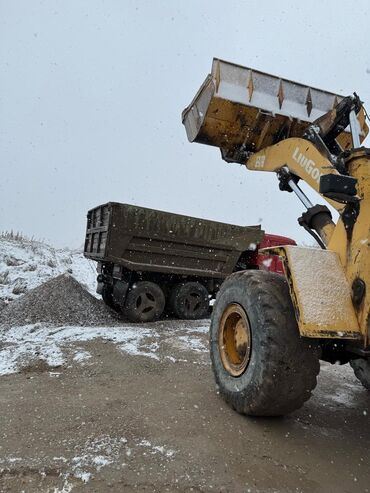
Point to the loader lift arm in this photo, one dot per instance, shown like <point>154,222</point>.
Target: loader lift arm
<point>310,158</point>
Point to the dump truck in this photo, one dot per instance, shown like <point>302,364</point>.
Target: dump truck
<point>269,332</point>
<point>151,262</point>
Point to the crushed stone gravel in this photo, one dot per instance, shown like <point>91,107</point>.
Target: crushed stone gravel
<point>60,301</point>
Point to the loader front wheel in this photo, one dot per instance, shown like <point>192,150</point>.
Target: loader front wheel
<point>261,364</point>
<point>361,368</point>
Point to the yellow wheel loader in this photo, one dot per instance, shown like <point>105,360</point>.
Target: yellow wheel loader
<point>268,332</point>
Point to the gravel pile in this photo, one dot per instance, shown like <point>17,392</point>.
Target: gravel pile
<point>60,301</point>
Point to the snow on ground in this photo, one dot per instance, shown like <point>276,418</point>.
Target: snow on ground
<point>22,346</point>
<point>25,264</point>
<point>96,453</point>
<point>345,394</point>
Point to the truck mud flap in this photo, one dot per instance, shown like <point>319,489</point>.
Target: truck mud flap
<point>120,289</point>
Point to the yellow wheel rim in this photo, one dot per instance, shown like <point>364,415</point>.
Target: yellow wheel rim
<point>234,340</point>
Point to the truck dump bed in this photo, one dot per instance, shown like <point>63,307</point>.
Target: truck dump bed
<point>144,239</point>
<point>242,110</point>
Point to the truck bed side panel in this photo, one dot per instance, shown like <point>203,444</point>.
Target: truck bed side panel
<point>150,240</point>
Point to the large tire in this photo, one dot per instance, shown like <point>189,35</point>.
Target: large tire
<point>189,301</point>
<point>145,302</point>
<point>261,364</point>
<point>361,368</point>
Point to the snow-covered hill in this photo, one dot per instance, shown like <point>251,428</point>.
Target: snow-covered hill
<point>25,264</point>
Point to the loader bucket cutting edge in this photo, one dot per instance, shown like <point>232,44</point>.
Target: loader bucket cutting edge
<point>241,111</point>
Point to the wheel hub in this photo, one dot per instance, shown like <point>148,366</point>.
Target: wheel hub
<point>234,340</point>
<point>192,302</point>
<point>145,302</point>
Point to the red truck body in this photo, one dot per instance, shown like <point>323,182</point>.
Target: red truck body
<point>272,263</point>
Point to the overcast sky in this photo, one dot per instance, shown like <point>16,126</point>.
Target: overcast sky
<point>91,94</point>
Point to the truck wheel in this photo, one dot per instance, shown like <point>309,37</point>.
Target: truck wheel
<point>261,364</point>
<point>144,302</point>
<point>361,368</point>
<point>189,301</point>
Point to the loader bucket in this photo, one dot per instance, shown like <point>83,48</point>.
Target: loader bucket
<point>241,111</point>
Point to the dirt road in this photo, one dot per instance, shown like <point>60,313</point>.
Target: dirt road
<point>118,411</point>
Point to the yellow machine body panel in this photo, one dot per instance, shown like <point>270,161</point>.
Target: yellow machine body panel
<point>351,250</point>
<point>320,292</point>
<point>354,253</point>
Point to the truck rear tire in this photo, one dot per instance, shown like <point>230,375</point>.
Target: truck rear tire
<point>145,302</point>
<point>189,301</point>
<point>261,364</point>
<point>361,368</point>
